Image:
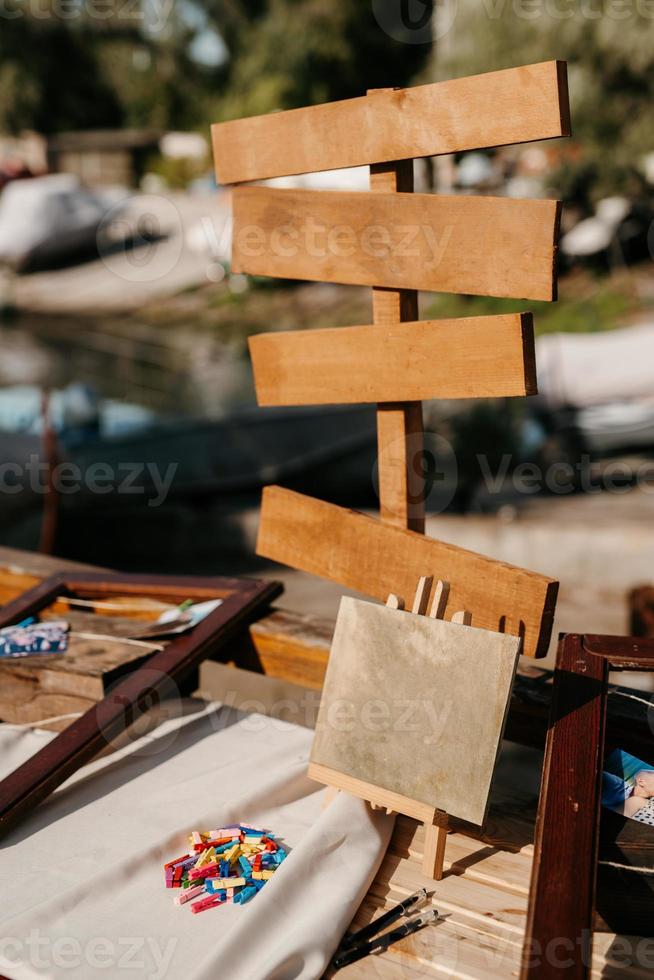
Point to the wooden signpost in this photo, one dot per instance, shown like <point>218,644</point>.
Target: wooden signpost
<point>399,242</point>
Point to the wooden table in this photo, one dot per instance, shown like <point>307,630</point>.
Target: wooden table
<point>485,888</point>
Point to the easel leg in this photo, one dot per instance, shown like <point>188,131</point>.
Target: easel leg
<point>434,852</point>
<point>331,792</point>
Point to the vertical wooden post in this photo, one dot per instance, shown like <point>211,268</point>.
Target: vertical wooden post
<point>562,892</point>
<point>399,424</point>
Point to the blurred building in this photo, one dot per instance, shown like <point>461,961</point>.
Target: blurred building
<point>104,156</point>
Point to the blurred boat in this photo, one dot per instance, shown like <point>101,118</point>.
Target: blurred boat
<point>600,387</point>
<point>617,234</point>
<point>47,220</point>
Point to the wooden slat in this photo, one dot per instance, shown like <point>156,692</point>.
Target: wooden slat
<point>511,106</point>
<point>362,553</point>
<point>400,432</point>
<point>488,246</point>
<point>562,892</point>
<point>401,484</point>
<point>472,357</point>
<point>373,794</point>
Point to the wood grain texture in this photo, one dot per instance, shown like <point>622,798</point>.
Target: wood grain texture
<point>562,894</point>
<point>487,246</point>
<point>470,357</point>
<point>400,436</point>
<point>400,447</point>
<point>484,893</point>
<point>434,851</point>
<point>622,652</point>
<point>515,105</point>
<point>362,553</point>
<point>373,794</point>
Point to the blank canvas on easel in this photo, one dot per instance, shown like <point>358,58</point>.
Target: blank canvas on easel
<point>416,706</point>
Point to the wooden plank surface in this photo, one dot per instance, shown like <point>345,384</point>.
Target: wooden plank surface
<point>489,246</point>
<point>483,893</point>
<point>377,795</point>
<point>470,357</point>
<point>515,105</point>
<point>364,554</point>
<point>400,436</point>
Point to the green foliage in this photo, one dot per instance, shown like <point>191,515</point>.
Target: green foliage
<point>176,172</point>
<point>92,73</point>
<point>610,50</point>
<point>289,53</point>
<point>585,305</point>
<point>60,75</point>
<point>49,79</point>
<point>157,85</point>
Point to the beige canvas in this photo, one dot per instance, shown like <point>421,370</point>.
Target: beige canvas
<point>416,705</point>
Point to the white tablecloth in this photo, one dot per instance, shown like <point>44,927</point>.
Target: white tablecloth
<point>82,879</point>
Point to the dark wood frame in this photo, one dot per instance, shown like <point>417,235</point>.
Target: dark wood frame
<point>558,938</point>
<point>150,682</point>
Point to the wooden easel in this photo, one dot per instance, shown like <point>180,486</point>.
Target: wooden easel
<point>436,822</point>
<point>436,829</point>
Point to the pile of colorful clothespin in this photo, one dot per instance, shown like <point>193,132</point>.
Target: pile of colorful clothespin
<point>227,865</point>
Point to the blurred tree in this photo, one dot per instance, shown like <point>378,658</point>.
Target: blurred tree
<point>135,66</point>
<point>610,49</point>
<point>91,72</point>
<point>49,79</point>
<point>289,53</point>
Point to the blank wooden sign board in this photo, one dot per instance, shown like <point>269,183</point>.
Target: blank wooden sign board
<point>415,706</point>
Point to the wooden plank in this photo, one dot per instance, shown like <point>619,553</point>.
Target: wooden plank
<point>361,553</point>
<point>38,688</point>
<point>622,653</point>
<point>401,485</point>
<point>562,889</point>
<point>488,246</point>
<point>434,849</point>
<point>400,436</point>
<point>373,794</point>
<point>470,357</point>
<point>515,105</point>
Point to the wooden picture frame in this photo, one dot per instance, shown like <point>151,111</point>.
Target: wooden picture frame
<point>564,874</point>
<point>159,676</point>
